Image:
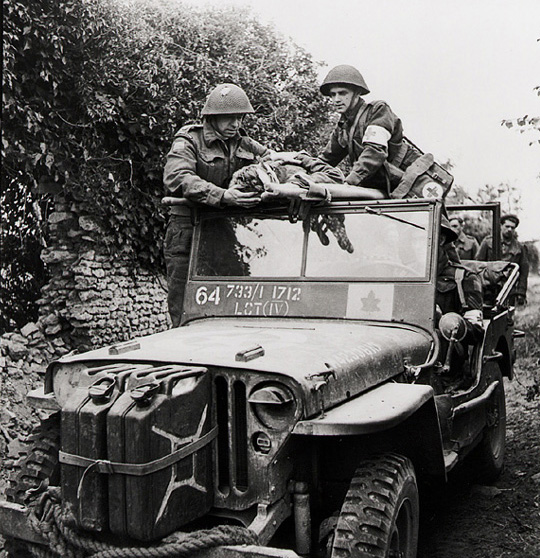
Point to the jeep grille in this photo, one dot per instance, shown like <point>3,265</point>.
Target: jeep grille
<point>231,409</point>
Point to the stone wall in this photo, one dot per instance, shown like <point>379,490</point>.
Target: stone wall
<point>95,296</point>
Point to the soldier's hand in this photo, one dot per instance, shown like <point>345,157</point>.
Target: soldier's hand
<point>242,199</point>
<point>521,300</point>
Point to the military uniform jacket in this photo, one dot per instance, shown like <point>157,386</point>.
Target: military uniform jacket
<point>371,135</point>
<point>466,246</point>
<point>200,164</point>
<point>448,296</point>
<point>512,251</point>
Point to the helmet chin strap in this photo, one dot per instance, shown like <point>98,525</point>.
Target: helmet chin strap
<point>355,103</point>
<point>211,119</point>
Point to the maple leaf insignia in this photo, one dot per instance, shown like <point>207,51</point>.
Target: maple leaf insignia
<point>370,303</point>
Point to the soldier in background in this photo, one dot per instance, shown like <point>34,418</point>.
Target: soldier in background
<point>466,246</point>
<point>511,251</point>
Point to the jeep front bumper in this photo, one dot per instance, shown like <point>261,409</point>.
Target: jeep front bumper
<point>15,523</point>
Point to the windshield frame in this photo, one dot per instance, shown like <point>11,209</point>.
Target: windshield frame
<point>350,207</point>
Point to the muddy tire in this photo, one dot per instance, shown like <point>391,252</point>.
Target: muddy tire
<point>380,514</point>
<point>487,459</point>
<point>35,470</point>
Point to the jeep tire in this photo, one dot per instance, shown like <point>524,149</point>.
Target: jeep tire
<point>34,471</point>
<point>380,514</point>
<point>487,459</point>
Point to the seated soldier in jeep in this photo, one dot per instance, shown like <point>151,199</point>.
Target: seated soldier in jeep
<point>459,290</point>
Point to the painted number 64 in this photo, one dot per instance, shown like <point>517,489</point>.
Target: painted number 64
<point>202,296</point>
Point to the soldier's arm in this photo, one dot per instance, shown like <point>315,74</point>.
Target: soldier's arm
<point>474,300</point>
<point>475,249</point>
<point>255,147</point>
<point>333,153</point>
<point>374,144</point>
<point>319,170</point>
<point>180,175</point>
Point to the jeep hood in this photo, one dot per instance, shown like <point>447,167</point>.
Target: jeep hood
<point>351,356</point>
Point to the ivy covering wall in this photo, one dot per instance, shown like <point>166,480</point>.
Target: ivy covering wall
<point>93,92</point>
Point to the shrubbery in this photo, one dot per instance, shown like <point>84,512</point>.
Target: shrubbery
<point>93,92</point>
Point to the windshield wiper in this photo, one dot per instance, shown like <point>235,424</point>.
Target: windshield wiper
<point>388,216</point>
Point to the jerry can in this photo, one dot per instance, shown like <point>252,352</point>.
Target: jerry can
<point>84,432</point>
<point>159,436</point>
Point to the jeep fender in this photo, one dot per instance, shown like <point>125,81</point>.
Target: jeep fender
<point>403,415</point>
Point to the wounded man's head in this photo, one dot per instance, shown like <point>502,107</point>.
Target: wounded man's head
<point>250,178</point>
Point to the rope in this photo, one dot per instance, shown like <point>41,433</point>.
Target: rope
<point>48,519</point>
<point>188,546</point>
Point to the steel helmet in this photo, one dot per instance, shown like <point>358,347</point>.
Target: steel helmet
<point>227,98</point>
<point>451,235</point>
<point>346,75</point>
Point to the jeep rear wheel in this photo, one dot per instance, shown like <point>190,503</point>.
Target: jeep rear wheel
<point>380,514</point>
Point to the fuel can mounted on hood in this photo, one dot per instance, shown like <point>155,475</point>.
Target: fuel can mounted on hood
<point>159,436</point>
<point>84,437</point>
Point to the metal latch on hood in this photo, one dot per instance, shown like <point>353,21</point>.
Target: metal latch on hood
<point>249,354</point>
<point>321,380</point>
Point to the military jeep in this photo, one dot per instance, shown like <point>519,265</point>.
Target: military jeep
<point>301,401</point>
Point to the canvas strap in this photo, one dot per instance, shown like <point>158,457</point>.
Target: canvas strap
<point>460,273</point>
<point>418,167</point>
<point>350,143</point>
<point>137,469</point>
<point>400,155</point>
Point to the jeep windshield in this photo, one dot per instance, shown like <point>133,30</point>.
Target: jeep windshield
<point>366,244</point>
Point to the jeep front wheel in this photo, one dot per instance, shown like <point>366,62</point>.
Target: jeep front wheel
<point>380,514</point>
<point>35,470</point>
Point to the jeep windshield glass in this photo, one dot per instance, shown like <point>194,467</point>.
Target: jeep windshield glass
<point>358,245</point>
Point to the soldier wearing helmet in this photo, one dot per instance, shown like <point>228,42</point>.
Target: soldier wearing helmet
<point>199,166</point>
<point>369,133</point>
<point>459,289</point>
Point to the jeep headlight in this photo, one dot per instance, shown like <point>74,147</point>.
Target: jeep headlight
<point>66,379</point>
<point>274,405</point>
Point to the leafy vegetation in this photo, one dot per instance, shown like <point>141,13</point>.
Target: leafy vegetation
<point>527,124</point>
<point>93,92</point>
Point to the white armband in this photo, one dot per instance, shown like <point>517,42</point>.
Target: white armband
<point>376,134</point>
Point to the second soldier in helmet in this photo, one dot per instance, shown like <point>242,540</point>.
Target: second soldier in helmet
<point>370,134</point>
